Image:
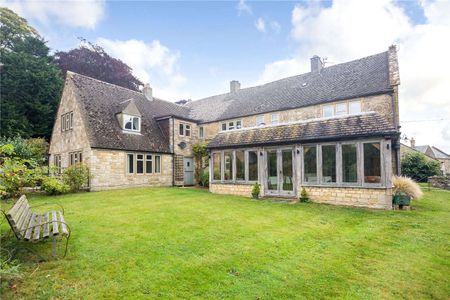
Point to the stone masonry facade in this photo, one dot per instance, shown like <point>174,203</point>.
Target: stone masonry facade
<point>231,189</point>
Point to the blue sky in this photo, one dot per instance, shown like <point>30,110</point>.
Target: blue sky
<point>193,49</point>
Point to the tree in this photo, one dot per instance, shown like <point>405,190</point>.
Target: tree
<point>419,167</point>
<point>92,60</point>
<point>31,81</point>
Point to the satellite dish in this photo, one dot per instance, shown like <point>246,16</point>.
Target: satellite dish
<point>182,145</point>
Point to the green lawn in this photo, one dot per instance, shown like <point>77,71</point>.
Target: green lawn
<point>187,243</point>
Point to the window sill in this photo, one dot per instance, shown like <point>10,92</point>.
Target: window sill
<point>233,182</point>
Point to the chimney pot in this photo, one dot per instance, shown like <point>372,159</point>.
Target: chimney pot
<point>316,64</point>
<point>234,86</point>
<point>148,92</point>
<point>413,143</point>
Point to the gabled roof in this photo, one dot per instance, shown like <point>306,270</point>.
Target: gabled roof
<point>432,151</point>
<point>362,77</point>
<point>102,101</point>
<point>325,129</point>
<point>439,153</point>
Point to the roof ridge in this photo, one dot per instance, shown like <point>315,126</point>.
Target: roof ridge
<point>440,150</point>
<point>289,77</point>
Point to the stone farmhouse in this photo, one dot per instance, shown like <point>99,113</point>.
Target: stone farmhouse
<point>434,153</point>
<point>333,130</point>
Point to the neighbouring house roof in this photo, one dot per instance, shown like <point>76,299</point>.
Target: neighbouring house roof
<point>101,102</point>
<point>362,125</point>
<point>416,150</point>
<point>432,151</point>
<point>439,154</point>
<point>362,77</point>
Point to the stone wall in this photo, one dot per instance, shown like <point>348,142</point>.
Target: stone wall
<point>231,189</point>
<point>108,168</point>
<point>352,196</point>
<point>63,143</point>
<point>379,103</point>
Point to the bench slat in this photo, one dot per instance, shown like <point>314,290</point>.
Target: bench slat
<point>18,215</point>
<point>55,223</point>
<point>37,230</point>
<point>30,227</point>
<point>63,225</point>
<point>24,222</point>
<point>12,213</point>
<point>46,226</point>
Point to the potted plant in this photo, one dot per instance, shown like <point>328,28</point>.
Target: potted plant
<point>404,189</point>
<point>304,195</point>
<point>256,190</point>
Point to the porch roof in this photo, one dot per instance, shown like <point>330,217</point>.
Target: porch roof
<point>330,129</point>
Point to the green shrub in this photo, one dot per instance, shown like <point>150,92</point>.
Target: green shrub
<point>14,175</point>
<point>76,177</point>
<point>54,186</point>
<point>304,195</point>
<point>418,167</point>
<point>204,178</point>
<point>256,189</point>
<point>34,150</point>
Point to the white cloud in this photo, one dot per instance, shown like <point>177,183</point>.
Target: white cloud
<point>243,8</point>
<point>275,26</point>
<point>151,62</point>
<point>350,29</point>
<point>260,25</point>
<point>80,13</point>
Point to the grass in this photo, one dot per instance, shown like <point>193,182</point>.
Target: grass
<point>187,243</point>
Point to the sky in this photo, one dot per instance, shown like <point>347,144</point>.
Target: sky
<point>190,50</point>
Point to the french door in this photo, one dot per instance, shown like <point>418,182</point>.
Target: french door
<point>280,172</point>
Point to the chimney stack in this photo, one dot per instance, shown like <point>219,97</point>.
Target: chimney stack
<point>413,143</point>
<point>316,64</point>
<point>234,86</point>
<point>148,92</point>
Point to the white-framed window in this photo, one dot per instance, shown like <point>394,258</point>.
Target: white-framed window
<point>275,119</point>
<point>341,109</point>
<point>187,130</point>
<point>201,132</point>
<point>328,111</point>
<point>67,121</point>
<point>181,129</point>
<point>139,163</point>
<point>354,107</point>
<point>148,164</point>
<point>231,125</point>
<point>260,120</point>
<point>131,123</point>
<point>157,164</point>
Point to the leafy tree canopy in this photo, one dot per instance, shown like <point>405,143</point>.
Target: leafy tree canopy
<point>92,60</point>
<point>419,167</point>
<point>31,81</point>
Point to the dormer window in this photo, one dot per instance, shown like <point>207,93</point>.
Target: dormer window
<point>131,123</point>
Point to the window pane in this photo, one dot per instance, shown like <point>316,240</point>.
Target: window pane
<point>354,107</point>
<point>341,109</point>
<point>328,111</point>
<point>148,164</point>
<point>288,184</point>
<point>240,166</point>
<point>62,123</point>
<point>136,123</point>
<point>157,164</point>
<point>252,166</point>
<point>349,163</point>
<point>328,163</point>
<point>275,119</point>
<point>130,163</point>
<point>200,132</point>
<point>259,120</point>
<point>310,163</point>
<point>238,125</point>
<point>80,160</point>
<point>230,125</point>
<point>224,126</point>
<point>272,173</point>
<point>140,164</point>
<point>128,123</point>
<point>228,160</point>
<point>71,120</point>
<point>181,129</point>
<point>217,166</point>
<point>372,163</point>
<point>188,130</point>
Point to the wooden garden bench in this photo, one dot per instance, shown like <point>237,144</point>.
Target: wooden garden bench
<point>30,226</point>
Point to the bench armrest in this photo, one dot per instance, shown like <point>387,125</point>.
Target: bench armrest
<point>48,203</point>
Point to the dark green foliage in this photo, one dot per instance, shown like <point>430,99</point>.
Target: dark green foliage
<point>204,178</point>
<point>92,60</point>
<point>76,176</point>
<point>418,167</point>
<point>31,82</point>
<point>34,150</point>
<point>304,195</point>
<point>201,162</point>
<point>256,190</point>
